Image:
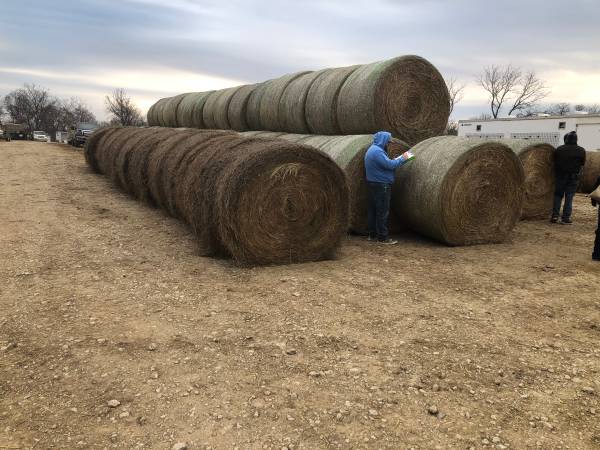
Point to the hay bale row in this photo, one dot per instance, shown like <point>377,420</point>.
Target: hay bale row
<point>348,152</point>
<point>591,171</point>
<point>260,201</point>
<point>538,165</point>
<point>460,191</point>
<point>405,95</point>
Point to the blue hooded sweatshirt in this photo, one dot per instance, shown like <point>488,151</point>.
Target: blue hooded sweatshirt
<point>378,167</point>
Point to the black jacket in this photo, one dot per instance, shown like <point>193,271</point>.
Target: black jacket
<point>569,159</point>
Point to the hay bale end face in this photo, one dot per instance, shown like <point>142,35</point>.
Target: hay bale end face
<point>406,96</point>
<point>260,201</point>
<point>290,203</point>
<point>538,165</point>
<point>591,171</point>
<point>460,192</point>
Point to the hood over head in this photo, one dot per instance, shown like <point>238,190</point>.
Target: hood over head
<point>571,138</point>
<point>382,138</point>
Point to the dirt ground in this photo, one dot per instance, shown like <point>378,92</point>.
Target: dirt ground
<point>103,301</point>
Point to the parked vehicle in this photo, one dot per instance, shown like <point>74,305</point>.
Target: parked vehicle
<point>40,136</point>
<point>78,134</point>
<point>13,131</point>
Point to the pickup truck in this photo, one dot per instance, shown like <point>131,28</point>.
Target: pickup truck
<point>79,133</point>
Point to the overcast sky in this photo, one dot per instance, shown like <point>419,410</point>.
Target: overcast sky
<point>155,48</point>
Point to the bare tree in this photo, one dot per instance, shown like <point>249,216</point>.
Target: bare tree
<point>124,111</point>
<point>456,91</point>
<point>30,105</point>
<point>452,128</point>
<point>509,84</point>
<point>75,111</point>
<point>591,109</point>
<point>528,92</point>
<point>482,116</point>
<point>559,109</point>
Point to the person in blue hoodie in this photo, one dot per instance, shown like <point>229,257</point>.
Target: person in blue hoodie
<point>380,171</point>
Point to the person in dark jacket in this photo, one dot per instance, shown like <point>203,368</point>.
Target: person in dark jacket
<point>596,254</point>
<point>380,171</point>
<point>568,162</point>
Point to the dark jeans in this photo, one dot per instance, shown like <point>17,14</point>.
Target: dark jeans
<point>380,195</point>
<point>596,254</point>
<point>566,186</point>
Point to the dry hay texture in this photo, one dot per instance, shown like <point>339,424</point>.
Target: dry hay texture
<point>591,171</point>
<point>405,95</point>
<point>460,191</point>
<point>348,152</point>
<point>538,164</point>
<point>260,201</point>
<point>238,107</point>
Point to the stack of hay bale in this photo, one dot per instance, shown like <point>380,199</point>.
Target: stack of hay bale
<point>457,191</point>
<point>256,200</point>
<point>406,96</point>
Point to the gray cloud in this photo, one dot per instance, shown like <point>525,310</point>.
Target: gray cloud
<point>252,41</point>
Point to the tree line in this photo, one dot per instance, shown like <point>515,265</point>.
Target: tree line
<point>37,109</point>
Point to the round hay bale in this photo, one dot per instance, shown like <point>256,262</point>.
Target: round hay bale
<point>159,111</point>
<point>406,96</point>
<point>170,110</point>
<point>269,103</point>
<point>209,110</point>
<point>178,161</point>
<point>196,197</point>
<point>93,144</point>
<point>591,171</point>
<point>349,153</point>
<point>231,188</point>
<point>108,151</point>
<point>253,107</point>
<point>538,164</point>
<point>117,154</point>
<point>321,101</point>
<point>221,108</point>
<point>138,164</point>
<point>190,110</point>
<point>156,163</point>
<point>280,203</point>
<point>459,191</point>
<point>151,116</point>
<point>293,101</point>
<point>238,107</point>
<point>138,139</point>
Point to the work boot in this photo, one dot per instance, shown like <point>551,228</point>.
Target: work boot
<point>566,221</point>
<point>554,219</point>
<point>389,242</point>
